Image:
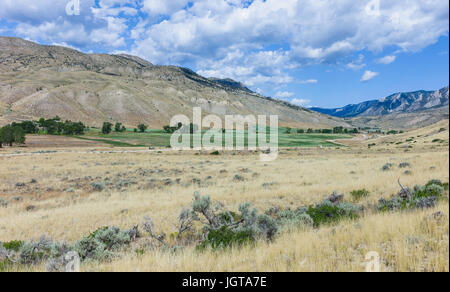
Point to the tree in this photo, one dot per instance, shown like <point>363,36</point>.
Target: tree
<point>118,127</point>
<point>338,130</point>
<point>142,128</point>
<point>288,130</point>
<point>309,131</point>
<point>106,128</point>
<point>300,131</point>
<point>7,135</point>
<point>18,135</point>
<point>28,126</point>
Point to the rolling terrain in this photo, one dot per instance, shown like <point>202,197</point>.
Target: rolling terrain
<point>45,81</point>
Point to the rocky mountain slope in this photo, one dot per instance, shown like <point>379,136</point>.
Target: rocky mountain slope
<point>397,103</point>
<point>45,81</point>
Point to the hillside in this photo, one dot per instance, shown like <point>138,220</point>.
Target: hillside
<point>45,81</point>
<point>402,121</point>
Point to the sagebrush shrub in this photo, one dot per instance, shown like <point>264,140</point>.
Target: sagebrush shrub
<point>387,167</point>
<point>425,196</point>
<point>3,203</point>
<point>100,244</point>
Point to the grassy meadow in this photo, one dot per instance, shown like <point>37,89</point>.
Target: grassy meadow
<point>159,138</point>
<point>66,195</point>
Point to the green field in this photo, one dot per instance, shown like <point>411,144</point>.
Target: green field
<point>158,138</point>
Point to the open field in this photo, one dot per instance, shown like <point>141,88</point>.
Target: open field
<point>57,194</point>
<point>158,138</point>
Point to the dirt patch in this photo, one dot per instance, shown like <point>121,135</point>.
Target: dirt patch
<point>49,141</point>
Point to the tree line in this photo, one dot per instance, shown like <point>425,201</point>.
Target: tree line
<point>15,132</point>
<point>107,128</point>
<point>335,130</point>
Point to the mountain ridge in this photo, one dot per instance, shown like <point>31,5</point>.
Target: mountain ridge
<point>402,102</point>
<point>44,81</point>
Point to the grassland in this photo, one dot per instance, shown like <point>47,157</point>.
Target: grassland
<point>159,184</point>
<point>158,138</point>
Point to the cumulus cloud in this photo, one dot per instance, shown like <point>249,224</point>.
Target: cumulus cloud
<point>284,94</point>
<point>386,60</point>
<point>258,42</point>
<point>369,75</point>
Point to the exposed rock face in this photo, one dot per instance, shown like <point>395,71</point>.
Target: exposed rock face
<point>396,103</point>
<point>45,81</point>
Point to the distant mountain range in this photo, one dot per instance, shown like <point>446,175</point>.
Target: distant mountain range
<point>410,102</point>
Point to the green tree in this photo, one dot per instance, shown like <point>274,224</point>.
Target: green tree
<point>106,128</point>
<point>338,130</point>
<point>18,135</point>
<point>142,128</point>
<point>309,131</point>
<point>7,135</point>
<point>300,131</point>
<point>118,127</point>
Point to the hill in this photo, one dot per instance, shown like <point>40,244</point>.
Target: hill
<point>45,81</point>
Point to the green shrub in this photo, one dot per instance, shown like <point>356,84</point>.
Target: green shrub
<point>13,245</point>
<point>359,194</point>
<point>425,196</point>
<point>215,153</point>
<point>225,237</point>
<point>327,212</point>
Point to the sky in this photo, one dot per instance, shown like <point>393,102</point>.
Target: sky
<point>325,53</point>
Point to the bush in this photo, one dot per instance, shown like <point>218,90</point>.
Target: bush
<point>225,237</point>
<point>13,245</point>
<point>34,253</point>
<point>387,167</point>
<point>327,212</point>
<point>359,194</point>
<point>291,220</point>
<point>215,153</point>
<point>226,229</point>
<point>425,196</point>
<point>404,165</point>
<point>100,244</point>
<point>97,186</point>
<point>3,203</point>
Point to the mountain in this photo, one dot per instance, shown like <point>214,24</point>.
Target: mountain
<point>45,81</point>
<point>411,102</point>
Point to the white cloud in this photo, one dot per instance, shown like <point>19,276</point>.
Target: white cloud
<point>258,42</point>
<point>357,64</point>
<point>300,102</point>
<point>386,60</point>
<point>308,81</point>
<point>163,7</point>
<point>284,94</point>
<point>368,75</point>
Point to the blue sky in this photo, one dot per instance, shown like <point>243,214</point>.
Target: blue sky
<point>326,53</point>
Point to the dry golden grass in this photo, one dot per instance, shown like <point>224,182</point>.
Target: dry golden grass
<point>70,209</point>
